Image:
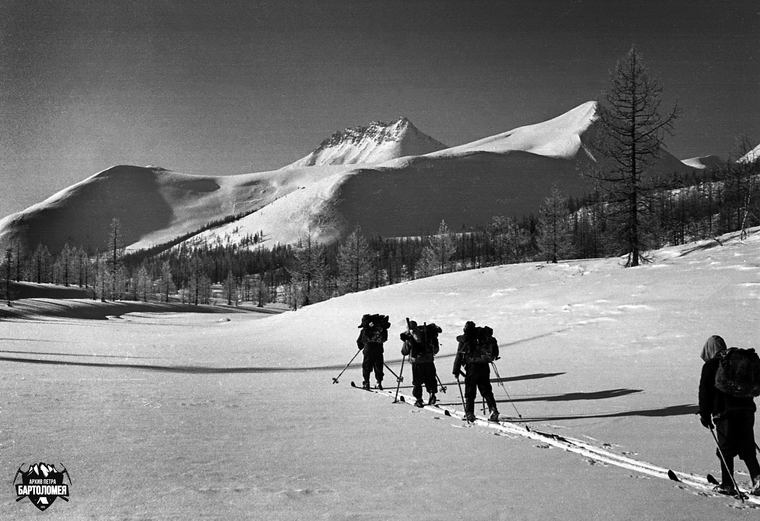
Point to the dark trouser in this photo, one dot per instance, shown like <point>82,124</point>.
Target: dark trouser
<point>736,437</point>
<point>423,374</point>
<point>373,360</point>
<point>478,377</point>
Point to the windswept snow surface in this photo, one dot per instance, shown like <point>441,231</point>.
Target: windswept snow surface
<point>235,416</point>
<point>559,137</point>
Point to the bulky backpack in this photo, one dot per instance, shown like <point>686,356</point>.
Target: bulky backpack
<point>738,373</point>
<point>429,345</point>
<point>374,326</point>
<point>480,346</point>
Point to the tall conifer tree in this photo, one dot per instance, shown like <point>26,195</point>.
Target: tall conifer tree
<point>630,139</point>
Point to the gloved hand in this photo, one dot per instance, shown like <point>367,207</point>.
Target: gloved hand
<point>404,336</point>
<point>706,421</point>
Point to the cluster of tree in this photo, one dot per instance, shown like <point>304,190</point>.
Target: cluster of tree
<point>629,213</point>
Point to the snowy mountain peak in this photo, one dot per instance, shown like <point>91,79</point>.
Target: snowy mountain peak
<point>703,162</point>
<point>751,156</point>
<point>559,137</point>
<point>375,143</point>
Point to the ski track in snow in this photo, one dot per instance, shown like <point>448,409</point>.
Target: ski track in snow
<point>593,454</point>
<point>585,357</point>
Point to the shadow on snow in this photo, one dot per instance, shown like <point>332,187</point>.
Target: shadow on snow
<point>671,410</point>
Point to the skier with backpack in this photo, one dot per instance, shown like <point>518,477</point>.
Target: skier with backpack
<point>373,334</point>
<point>729,382</point>
<point>421,345</point>
<point>477,349</point>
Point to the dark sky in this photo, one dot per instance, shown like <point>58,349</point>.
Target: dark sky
<point>227,87</point>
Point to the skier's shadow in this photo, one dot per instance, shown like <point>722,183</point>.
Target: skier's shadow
<point>519,377</point>
<point>569,397</point>
<point>162,368</point>
<point>671,410</point>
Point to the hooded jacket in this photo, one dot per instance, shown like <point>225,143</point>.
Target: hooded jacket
<point>714,403</point>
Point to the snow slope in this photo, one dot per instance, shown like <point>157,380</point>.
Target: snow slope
<point>559,137</point>
<point>703,162</point>
<point>287,218</point>
<point>391,180</point>
<point>377,143</point>
<point>752,155</point>
<point>153,205</point>
<point>190,416</point>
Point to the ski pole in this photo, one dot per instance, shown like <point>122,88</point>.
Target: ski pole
<point>443,387</point>
<point>335,380</point>
<point>398,378</point>
<point>725,464</point>
<point>498,378</point>
<point>461,394</point>
<point>401,377</point>
<point>398,385</point>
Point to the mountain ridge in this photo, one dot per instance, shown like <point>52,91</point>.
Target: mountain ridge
<point>389,179</point>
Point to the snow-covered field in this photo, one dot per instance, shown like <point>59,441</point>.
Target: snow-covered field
<point>235,416</point>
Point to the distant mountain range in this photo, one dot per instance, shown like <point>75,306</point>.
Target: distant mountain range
<point>390,179</point>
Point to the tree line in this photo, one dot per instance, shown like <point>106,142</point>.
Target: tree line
<point>682,208</point>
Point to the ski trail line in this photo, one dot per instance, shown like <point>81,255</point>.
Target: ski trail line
<point>582,448</point>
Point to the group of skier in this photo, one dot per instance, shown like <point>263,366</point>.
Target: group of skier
<point>729,381</point>
<point>477,349</point>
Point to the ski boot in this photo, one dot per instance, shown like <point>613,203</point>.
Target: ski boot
<point>365,385</point>
<point>494,416</point>
<point>433,400</point>
<point>755,490</point>
<point>727,489</point>
<point>419,403</point>
<point>379,386</point>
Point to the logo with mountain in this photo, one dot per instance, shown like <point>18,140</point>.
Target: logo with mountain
<point>42,483</point>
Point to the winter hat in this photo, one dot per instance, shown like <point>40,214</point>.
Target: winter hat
<point>712,347</point>
<point>469,327</point>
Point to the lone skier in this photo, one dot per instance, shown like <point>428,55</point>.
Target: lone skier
<point>374,332</point>
<point>477,349</point>
<point>733,419</point>
<point>421,345</point>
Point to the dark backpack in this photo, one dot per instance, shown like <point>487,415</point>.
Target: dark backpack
<point>738,373</point>
<point>429,345</point>
<point>374,327</point>
<point>480,346</point>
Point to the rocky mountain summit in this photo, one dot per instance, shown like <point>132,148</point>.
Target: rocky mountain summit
<point>375,143</point>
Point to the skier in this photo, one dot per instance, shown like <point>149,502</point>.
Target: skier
<point>374,332</point>
<point>421,345</point>
<point>477,349</point>
<point>733,419</point>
